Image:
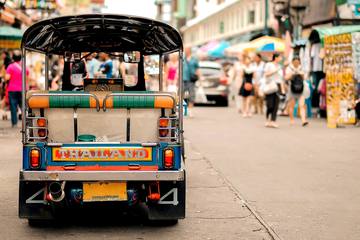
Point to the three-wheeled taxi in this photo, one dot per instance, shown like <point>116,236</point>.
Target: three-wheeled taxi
<point>102,139</point>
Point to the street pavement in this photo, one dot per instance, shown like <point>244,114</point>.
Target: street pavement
<point>303,182</point>
<point>214,210</point>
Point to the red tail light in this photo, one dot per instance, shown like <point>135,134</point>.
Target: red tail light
<point>224,81</point>
<point>163,123</point>
<point>154,191</point>
<point>169,158</point>
<point>35,158</point>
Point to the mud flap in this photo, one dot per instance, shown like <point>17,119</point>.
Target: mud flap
<point>172,202</point>
<point>31,201</point>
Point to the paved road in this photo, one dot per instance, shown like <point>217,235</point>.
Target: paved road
<point>213,209</point>
<point>304,182</point>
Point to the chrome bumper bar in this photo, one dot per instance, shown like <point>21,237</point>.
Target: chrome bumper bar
<point>102,175</point>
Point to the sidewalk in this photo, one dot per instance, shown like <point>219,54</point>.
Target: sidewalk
<point>213,209</point>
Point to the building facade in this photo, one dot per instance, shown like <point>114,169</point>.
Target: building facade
<point>227,20</point>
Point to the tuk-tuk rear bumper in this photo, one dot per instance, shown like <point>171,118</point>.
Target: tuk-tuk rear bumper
<point>178,175</point>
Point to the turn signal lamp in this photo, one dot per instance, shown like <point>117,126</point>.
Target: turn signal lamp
<point>169,158</point>
<point>41,122</point>
<point>163,123</point>
<point>35,158</point>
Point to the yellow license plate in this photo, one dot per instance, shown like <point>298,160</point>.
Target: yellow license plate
<point>104,191</point>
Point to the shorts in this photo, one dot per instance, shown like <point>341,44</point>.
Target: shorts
<point>189,91</point>
<point>296,96</point>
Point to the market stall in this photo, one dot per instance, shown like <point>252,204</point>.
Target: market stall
<point>10,37</point>
<point>340,62</point>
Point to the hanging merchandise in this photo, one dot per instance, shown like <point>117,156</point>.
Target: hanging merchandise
<point>340,85</point>
<point>356,54</point>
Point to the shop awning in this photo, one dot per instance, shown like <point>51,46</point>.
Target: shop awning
<point>208,46</point>
<point>219,50</point>
<point>10,37</point>
<point>318,34</point>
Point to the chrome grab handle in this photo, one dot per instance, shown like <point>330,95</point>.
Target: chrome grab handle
<point>69,94</point>
<point>137,95</point>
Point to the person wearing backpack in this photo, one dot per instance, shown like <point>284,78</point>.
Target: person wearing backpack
<point>298,89</point>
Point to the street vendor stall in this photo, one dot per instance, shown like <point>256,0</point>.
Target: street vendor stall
<point>340,57</point>
<point>10,37</point>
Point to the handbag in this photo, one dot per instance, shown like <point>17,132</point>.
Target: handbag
<point>248,87</point>
<point>270,88</point>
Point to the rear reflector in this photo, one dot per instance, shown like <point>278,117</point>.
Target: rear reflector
<point>42,132</point>
<point>34,158</point>
<point>169,158</point>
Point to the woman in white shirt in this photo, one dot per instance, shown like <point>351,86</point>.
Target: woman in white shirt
<point>273,73</point>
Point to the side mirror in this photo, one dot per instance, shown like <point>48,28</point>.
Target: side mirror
<point>132,57</point>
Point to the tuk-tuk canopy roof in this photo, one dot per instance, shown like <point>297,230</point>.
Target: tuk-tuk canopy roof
<point>101,33</point>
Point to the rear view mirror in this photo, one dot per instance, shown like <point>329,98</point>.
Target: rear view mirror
<point>132,57</point>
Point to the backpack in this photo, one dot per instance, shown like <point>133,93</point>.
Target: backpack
<point>297,84</point>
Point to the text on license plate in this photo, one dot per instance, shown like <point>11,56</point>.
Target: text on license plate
<point>104,191</point>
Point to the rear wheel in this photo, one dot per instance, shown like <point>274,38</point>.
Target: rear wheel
<point>223,101</point>
<point>39,223</point>
<point>163,223</point>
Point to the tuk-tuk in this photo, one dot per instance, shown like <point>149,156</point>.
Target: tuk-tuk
<point>106,140</point>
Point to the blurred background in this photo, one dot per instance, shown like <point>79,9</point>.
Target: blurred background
<point>222,30</point>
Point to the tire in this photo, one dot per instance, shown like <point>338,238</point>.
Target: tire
<point>163,223</point>
<point>40,223</point>
<point>223,102</point>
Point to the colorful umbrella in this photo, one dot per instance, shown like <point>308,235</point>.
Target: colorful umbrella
<point>266,44</point>
<point>236,49</point>
<point>209,46</point>
<point>272,47</point>
<point>218,51</point>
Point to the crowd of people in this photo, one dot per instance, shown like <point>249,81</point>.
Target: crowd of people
<point>271,82</point>
<point>281,86</point>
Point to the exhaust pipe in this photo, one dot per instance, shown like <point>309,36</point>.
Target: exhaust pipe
<point>56,191</point>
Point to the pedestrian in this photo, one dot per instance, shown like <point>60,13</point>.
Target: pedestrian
<point>191,74</point>
<point>5,61</point>
<point>273,84</point>
<point>171,72</point>
<point>258,100</point>
<point>14,78</point>
<point>298,90</point>
<point>106,68</point>
<point>247,87</point>
<point>92,64</point>
<point>236,80</point>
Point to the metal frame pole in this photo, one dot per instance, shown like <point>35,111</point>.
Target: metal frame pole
<point>161,82</point>
<point>23,96</point>
<point>181,101</point>
<point>46,72</point>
